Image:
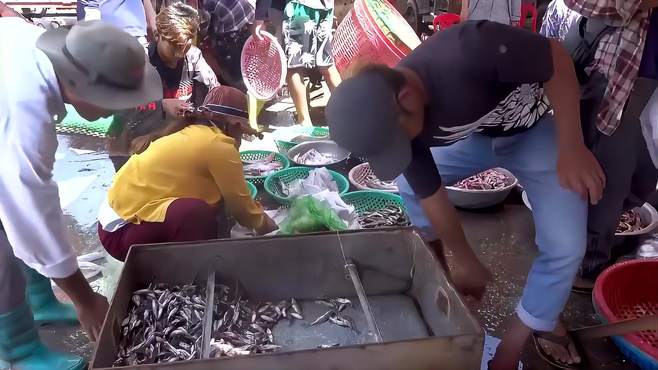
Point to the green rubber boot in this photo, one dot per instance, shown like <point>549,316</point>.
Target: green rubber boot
<point>21,348</point>
<point>45,306</point>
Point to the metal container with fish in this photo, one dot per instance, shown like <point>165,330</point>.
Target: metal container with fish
<point>323,153</point>
<point>483,190</point>
<point>353,300</point>
<point>637,221</point>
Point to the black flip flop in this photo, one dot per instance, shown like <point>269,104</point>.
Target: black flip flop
<point>564,341</point>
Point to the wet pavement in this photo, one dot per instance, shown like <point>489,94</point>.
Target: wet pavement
<point>503,237</point>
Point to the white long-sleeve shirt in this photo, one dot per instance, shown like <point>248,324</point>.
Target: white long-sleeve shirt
<point>30,105</point>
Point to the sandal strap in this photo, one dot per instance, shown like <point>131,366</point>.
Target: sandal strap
<point>563,340</point>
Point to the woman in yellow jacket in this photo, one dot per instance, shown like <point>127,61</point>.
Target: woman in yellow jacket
<point>180,182</point>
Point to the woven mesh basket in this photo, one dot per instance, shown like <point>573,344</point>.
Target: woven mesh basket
<point>263,66</point>
<point>320,132</point>
<point>369,200</point>
<point>73,123</point>
<point>254,155</point>
<point>291,174</point>
<point>358,175</point>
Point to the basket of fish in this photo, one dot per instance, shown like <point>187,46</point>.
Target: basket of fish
<point>305,134</point>
<point>637,221</point>
<point>362,177</point>
<point>322,301</point>
<point>286,184</point>
<point>258,164</point>
<point>482,190</point>
<point>377,209</point>
<point>317,153</point>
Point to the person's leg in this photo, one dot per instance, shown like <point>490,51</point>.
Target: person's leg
<point>297,89</point>
<point>297,39</point>
<point>331,76</point>
<point>187,219</point>
<point>46,308</point>
<point>629,175</point>
<point>560,217</point>
<point>20,346</point>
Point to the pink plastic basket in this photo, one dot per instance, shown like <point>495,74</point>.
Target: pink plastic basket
<point>358,36</point>
<point>263,66</point>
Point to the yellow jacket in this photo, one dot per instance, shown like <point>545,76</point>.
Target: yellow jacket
<point>197,162</point>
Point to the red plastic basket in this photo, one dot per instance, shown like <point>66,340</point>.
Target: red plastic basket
<point>358,36</point>
<point>263,66</point>
<point>445,21</point>
<point>626,291</point>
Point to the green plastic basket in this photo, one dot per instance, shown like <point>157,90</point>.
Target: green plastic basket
<point>319,132</point>
<point>372,200</point>
<point>251,155</point>
<point>293,173</point>
<point>252,190</point>
<point>73,123</point>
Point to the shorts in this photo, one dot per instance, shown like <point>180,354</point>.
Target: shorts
<point>307,36</point>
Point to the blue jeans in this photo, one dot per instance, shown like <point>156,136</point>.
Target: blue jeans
<point>560,215</point>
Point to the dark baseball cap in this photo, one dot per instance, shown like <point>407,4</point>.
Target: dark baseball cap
<point>363,118</point>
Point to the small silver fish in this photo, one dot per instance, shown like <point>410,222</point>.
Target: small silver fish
<point>324,317</point>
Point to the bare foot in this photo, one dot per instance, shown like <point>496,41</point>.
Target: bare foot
<point>565,354</point>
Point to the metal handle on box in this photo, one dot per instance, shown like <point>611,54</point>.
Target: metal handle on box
<point>208,315</point>
<point>363,299</point>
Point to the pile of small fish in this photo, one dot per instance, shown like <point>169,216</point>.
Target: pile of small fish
<point>373,182</point>
<point>630,221</point>
<point>241,327</point>
<point>163,325</point>
<point>314,158</point>
<point>334,315</point>
<point>390,215</point>
<point>261,167</point>
<point>487,180</point>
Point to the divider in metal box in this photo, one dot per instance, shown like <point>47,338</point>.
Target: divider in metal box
<point>408,315</point>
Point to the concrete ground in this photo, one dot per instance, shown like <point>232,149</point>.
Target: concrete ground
<point>503,236</point>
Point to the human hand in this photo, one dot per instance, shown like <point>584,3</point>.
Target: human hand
<point>463,15</point>
<point>91,314</point>
<point>579,171</point>
<point>469,275</point>
<point>175,107</point>
<point>256,29</point>
<point>268,225</point>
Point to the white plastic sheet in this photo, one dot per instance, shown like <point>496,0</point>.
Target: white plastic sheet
<point>649,123</point>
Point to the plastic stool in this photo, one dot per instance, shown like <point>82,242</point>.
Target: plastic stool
<point>526,9</point>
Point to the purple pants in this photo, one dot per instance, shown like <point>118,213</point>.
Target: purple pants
<point>186,220</point>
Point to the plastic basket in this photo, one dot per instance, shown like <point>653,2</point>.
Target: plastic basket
<point>252,155</point>
<point>444,21</point>
<point>73,123</point>
<point>252,190</point>
<point>371,200</point>
<point>293,173</point>
<point>358,36</point>
<point>625,291</point>
<point>320,132</point>
<point>358,174</point>
<point>263,66</point>
<point>393,25</point>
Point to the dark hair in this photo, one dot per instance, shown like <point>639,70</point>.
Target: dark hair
<point>393,78</point>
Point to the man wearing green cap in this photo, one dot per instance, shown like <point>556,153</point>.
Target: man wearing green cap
<point>98,69</point>
<point>474,97</point>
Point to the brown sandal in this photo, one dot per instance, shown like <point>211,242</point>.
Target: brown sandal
<point>564,341</point>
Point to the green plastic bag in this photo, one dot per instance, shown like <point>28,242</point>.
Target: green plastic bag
<point>307,215</point>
